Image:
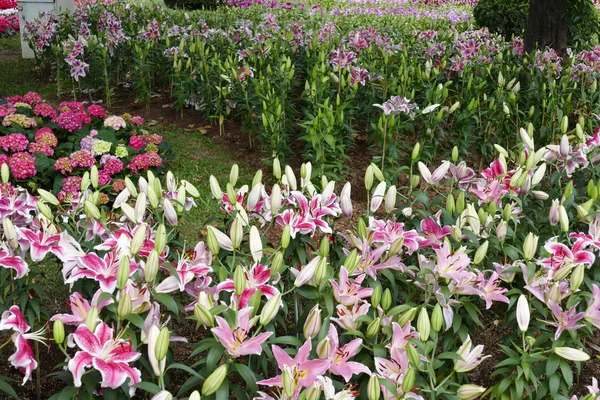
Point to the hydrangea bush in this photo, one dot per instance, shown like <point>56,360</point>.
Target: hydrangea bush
<point>53,147</point>
<point>297,294</point>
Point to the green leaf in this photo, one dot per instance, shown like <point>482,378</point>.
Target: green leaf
<point>149,387</point>
<point>167,301</point>
<point>291,340</point>
<point>248,375</point>
<point>186,369</point>
<point>567,373</point>
<point>223,392</point>
<point>449,355</point>
<point>67,393</point>
<point>6,388</point>
<point>552,364</point>
<point>554,383</point>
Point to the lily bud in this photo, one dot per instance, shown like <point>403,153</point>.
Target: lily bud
<point>376,296</point>
<point>277,263</point>
<point>369,177</point>
<point>423,325</point>
<point>239,280</point>
<point>501,230</point>
<point>233,175</point>
<point>169,210</point>
<point>414,181</point>
<point>44,210</point>
<point>469,392</point>
<point>180,205</point>
<point>563,218</point>
<point>124,307</point>
<point>151,267</point>
<point>48,197</point>
<point>161,239</point>
<point>194,396</point>
<point>321,270</point>
<point>324,247</point>
<point>203,315</point>
<point>390,199</point>
<point>254,196</point>
<point>214,381</point>
<point>351,261</point>
<point>416,150</point>
<point>85,181</point>
<point>526,139</point>
<point>577,278</point>
<point>373,388</point>
<point>539,174</point>
<point>312,326</point>
<point>270,309</point>
<point>313,392</point>
<point>507,213</point>
<point>10,234</point>
<point>131,187</point>
<point>152,198</point>
<point>162,344</point>
<point>236,232</point>
<point>275,199</point>
<point>91,210</point>
<point>437,318</point>
<point>501,150</point>
<point>407,316</point>
<point>454,154</point>
<point>530,246</point>
<point>361,229</point>
<point>481,253</point>
<point>409,380</point>
<point>523,313</point>
<point>288,381</point>
<point>123,272</point>
<point>456,233</point>
<point>138,239</point>
<point>231,195</point>
<point>276,169</point>
<point>373,328</point>
<point>377,196</point>
<point>212,242</point>
<point>460,203</point>
<point>324,348</point>
<point>222,240</point>
<point>58,331</point>
<point>140,206</point>
<point>291,177</point>
<point>571,354</point>
<point>190,188</point>
<point>5,172</point>
<point>413,355</point>
<point>564,124</point>
<point>92,319</point>
<point>540,195</point>
<point>450,204</point>
<point>386,300</point>
<point>255,244</point>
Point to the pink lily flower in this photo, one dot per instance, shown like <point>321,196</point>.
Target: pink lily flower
<point>565,320</point>
<point>488,290</point>
<point>41,243</point>
<point>257,278</point>
<point>305,371</point>
<point>372,260</point>
<point>437,175</point>
<point>394,370</point>
<point>340,354</point>
<point>562,259</point>
<point>347,316</point>
<point>187,270</point>
<point>389,232</point>
<point>461,174</point>
<point>23,358</point>
<point>592,238</point>
<point>347,293</point>
<point>237,341</point>
<point>471,357</point>
<point>80,308</point>
<point>139,295</point>
<point>592,314</point>
<point>401,335</point>
<point>108,355</point>
<point>432,233</point>
<point>7,260</point>
<point>453,265</point>
<point>103,270</point>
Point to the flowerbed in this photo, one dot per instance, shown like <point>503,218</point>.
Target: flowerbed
<point>308,77</point>
<point>296,295</point>
<point>9,21</point>
<point>54,148</point>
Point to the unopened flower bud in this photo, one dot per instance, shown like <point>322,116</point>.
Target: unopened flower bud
<point>277,263</point>
<point>376,296</point>
<point>124,307</point>
<point>195,395</point>
<point>151,267</point>
<point>416,150</point>
<point>291,177</point>
<point>44,210</point>
<point>423,325</point>
<point>123,272</point>
<point>373,328</point>
<point>390,199</point>
<point>276,169</point>
<point>270,309</point>
<point>409,380</point>
<point>10,234</point>
<point>231,195</point>
<point>369,178</point>
<point>214,381</point>
<point>530,246</point>
<point>239,280</point>
<point>577,278</point>
<point>275,199</point>
<point>94,176</point>
<point>501,230</point>
<point>373,388</point>
<point>5,172</point>
<point>321,270</point>
<point>455,154</point>
<point>313,392</point>
<point>469,392</point>
<point>169,210</point>
<point>437,318</point>
<point>91,210</point>
<point>92,319</point>
<point>460,203</point>
<point>563,218</point>
<point>450,204</point>
<point>138,239</point>
<point>324,348</point>
<point>288,380</point>
<point>407,316</point>
<point>152,198</point>
<point>351,261</point>
<point>312,326</point>
<point>413,355</point>
<point>386,300</point>
<point>361,228</point>
<point>203,315</point>
<point>48,197</point>
<point>481,253</point>
<point>236,232</point>
<point>324,247</point>
<point>162,344</point>
<point>523,313</point>
<point>85,181</point>
<point>414,181</point>
<point>160,239</point>
<point>58,331</point>
<point>571,354</point>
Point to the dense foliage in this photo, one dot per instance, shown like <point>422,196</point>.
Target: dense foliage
<point>507,17</point>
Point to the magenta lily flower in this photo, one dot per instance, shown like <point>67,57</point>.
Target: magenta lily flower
<point>592,314</point>
<point>562,259</point>
<point>432,233</point>
<point>41,243</point>
<point>7,260</point>
<point>305,371</point>
<point>23,358</point>
<point>187,270</point>
<point>103,270</point>
<point>488,290</point>
<point>565,320</point>
<point>340,354</point>
<point>257,278</point>
<point>390,232</point>
<point>237,341</point>
<point>80,308</point>
<point>347,293</point>
<point>108,355</point>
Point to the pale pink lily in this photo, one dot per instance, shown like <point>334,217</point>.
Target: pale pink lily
<point>394,370</point>
<point>453,265</point>
<point>592,314</point>
<point>565,320</point>
<point>401,335</point>
<point>562,259</point>
<point>305,371</point>
<point>347,316</point>
<point>347,293</point>
<point>341,354</point>
<point>103,270</point>
<point>8,260</point>
<point>80,308</point>
<point>23,359</point>
<point>187,270</point>
<point>436,176</point>
<point>108,355</point>
<point>374,259</point>
<point>257,278</point>
<point>237,341</point>
<point>471,357</point>
<point>462,174</point>
<point>139,295</point>
<point>391,232</point>
<point>488,290</point>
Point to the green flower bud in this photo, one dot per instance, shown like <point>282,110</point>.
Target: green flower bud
<point>450,204</point>
<point>409,380</point>
<point>124,307</point>
<point>373,388</point>
<point>577,278</point>
<point>92,319</point>
<point>276,169</point>
<point>233,175</point>
<point>162,344</point>
<point>361,228</point>
<point>85,181</point>
<point>407,317</point>
<point>214,381</point>
<point>376,296</point>
<point>194,396</point>
<point>321,270</point>
<point>91,210</point>
<point>203,315</point>
<point>44,209</point>
<point>270,309</point>
<point>454,154</point>
<point>285,237</point>
<point>416,151</point>
<point>239,280</point>
<point>437,318</point>
<point>94,176</point>
<point>151,267</point>
<point>413,355</point>
<point>58,331</point>
<point>324,248</point>
<point>138,239</point>
<point>386,300</point>
<point>313,392</point>
<point>373,328</point>
<point>423,325</point>
<point>160,240</point>
<point>5,172</point>
<point>48,197</point>
<point>481,253</point>
<point>460,203</point>
<point>351,261</point>
<point>369,178</point>
<point>469,392</point>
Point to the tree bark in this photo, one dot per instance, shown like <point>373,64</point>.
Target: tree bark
<point>546,25</point>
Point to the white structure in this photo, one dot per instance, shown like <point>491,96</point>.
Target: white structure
<point>30,9</point>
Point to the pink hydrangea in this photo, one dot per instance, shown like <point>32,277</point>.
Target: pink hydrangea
<point>19,119</point>
<point>137,142</point>
<point>32,98</point>
<point>22,165</point>
<point>4,159</point>
<point>137,120</point>
<point>7,110</point>
<point>103,178</point>
<point>41,148</point>
<point>14,99</point>
<point>14,142</point>
<point>83,159</point>
<point>69,121</point>
<point>44,110</point>
<point>73,106</point>
<point>113,166</point>
<point>63,165</point>
<point>46,136</point>
<point>144,161</point>
<point>72,184</point>
<point>95,111</point>
<point>118,185</point>
<point>115,122</point>
<point>154,139</point>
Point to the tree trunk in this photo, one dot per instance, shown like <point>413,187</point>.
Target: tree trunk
<point>546,25</point>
